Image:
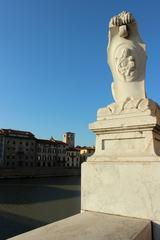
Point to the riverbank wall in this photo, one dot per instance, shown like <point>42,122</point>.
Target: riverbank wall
<point>39,172</point>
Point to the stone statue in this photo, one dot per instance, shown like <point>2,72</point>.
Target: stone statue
<point>122,175</point>
<point>127,60</point>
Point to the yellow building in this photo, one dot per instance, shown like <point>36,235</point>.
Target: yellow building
<point>86,152</point>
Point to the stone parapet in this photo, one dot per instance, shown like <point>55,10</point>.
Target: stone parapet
<point>92,226</point>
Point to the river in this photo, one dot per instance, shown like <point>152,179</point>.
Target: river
<point>26,204</point>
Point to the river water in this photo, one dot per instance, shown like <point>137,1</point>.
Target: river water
<point>26,204</point>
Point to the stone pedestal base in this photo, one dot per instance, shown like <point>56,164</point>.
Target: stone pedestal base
<point>122,188</point>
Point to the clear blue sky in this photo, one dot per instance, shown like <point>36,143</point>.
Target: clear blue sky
<point>53,71</point>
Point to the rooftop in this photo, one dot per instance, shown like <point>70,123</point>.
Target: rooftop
<point>12,132</point>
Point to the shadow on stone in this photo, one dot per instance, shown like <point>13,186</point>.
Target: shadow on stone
<point>13,224</point>
<point>155,231</point>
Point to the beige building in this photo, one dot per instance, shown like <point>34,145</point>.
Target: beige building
<point>17,148</point>
<point>86,152</point>
<point>2,141</point>
<point>73,158</point>
<point>22,149</point>
<point>50,153</point>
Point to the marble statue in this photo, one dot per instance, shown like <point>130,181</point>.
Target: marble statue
<point>116,126</point>
<point>126,54</point>
<point>123,175</point>
<point>126,58</point>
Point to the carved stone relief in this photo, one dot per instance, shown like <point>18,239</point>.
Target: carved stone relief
<point>125,64</point>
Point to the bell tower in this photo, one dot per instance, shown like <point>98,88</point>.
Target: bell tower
<point>69,138</point>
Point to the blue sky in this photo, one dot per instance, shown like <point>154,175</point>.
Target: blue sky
<point>53,70</point>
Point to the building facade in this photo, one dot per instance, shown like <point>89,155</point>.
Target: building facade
<point>22,149</point>
<point>2,144</point>
<point>73,158</point>
<point>86,152</point>
<point>50,153</point>
<point>17,148</point>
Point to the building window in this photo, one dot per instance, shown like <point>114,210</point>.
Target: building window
<point>39,149</point>
<point>49,150</point>
<point>19,163</point>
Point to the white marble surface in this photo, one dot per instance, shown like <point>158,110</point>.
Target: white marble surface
<point>122,188</point>
<point>128,136</point>
<point>126,58</point>
<point>92,226</point>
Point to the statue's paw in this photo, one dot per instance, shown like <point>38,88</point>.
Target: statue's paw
<point>114,108</point>
<point>115,21</point>
<point>126,18</point>
<point>123,18</point>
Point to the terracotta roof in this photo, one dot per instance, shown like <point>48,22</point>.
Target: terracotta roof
<point>72,149</point>
<point>50,142</point>
<point>87,148</point>
<point>11,132</point>
<point>60,142</point>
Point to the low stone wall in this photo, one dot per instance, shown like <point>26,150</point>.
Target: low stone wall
<point>38,172</point>
<point>92,226</point>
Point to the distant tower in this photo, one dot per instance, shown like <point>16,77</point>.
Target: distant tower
<point>68,138</point>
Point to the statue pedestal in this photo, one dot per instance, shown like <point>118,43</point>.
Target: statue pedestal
<point>123,176</point>
<point>122,188</point>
